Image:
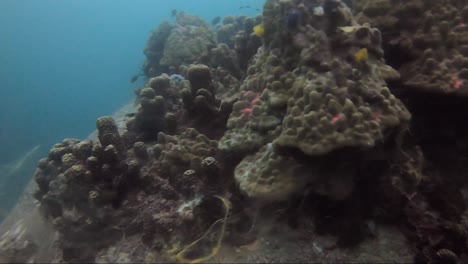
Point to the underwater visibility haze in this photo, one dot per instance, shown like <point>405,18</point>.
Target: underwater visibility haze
<point>252,131</point>
<point>65,63</point>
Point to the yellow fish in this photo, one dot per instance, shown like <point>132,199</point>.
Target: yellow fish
<point>348,29</point>
<point>361,55</point>
<point>259,30</point>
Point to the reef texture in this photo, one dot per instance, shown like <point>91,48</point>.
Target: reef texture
<point>236,33</point>
<point>228,47</point>
<point>172,45</point>
<point>426,40</point>
<point>308,92</point>
<point>287,123</point>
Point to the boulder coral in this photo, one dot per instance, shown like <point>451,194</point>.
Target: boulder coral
<point>306,92</point>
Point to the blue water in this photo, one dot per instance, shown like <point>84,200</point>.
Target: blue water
<point>64,63</point>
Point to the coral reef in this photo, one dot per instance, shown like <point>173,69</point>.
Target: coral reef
<point>102,191</point>
<point>150,118</point>
<point>203,109</point>
<point>325,101</point>
<point>79,184</point>
<point>289,123</point>
<point>271,177</point>
<point>155,47</point>
<point>238,34</point>
<point>426,40</point>
<point>229,47</point>
<point>172,45</point>
<point>185,45</point>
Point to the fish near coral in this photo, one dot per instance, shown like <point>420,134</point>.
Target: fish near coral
<point>259,30</point>
<point>135,78</point>
<point>215,20</point>
<point>361,55</point>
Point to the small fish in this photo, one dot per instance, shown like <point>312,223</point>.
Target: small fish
<point>247,6</point>
<point>348,29</point>
<point>174,12</point>
<point>216,20</point>
<point>259,30</point>
<point>241,7</point>
<point>135,78</point>
<point>257,9</point>
<point>361,55</point>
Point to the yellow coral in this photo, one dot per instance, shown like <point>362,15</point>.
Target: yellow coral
<point>259,30</point>
<point>361,55</point>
